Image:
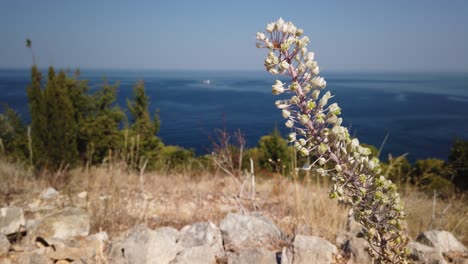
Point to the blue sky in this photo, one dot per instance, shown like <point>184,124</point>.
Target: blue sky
<point>395,35</point>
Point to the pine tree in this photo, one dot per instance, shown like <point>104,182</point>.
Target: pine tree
<point>13,135</point>
<point>143,128</point>
<point>99,130</point>
<point>61,141</point>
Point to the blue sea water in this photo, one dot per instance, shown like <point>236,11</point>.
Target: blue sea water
<point>420,112</point>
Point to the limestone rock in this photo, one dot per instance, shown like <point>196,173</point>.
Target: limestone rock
<point>355,247</point>
<point>73,250</point>
<point>195,255</point>
<point>442,240</point>
<point>254,255</point>
<point>420,253</point>
<point>4,245</point>
<point>49,194</point>
<point>312,249</point>
<point>249,231</point>
<point>64,224</point>
<point>96,242</point>
<point>11,220</point>
<point>202,234</point>
<point>460,261</point>
<point>143,245</point>
<point>82,195</point>
<point>33,258</point>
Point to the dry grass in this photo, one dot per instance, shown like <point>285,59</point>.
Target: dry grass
<point>117,200</point>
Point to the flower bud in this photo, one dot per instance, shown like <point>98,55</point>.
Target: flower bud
<point>304,119</point>
<point>294,100</point>
<point>302,141</point>
<point>321,161</point>
<point>335,109</point>
<point>304,152</point>
<point>315,94</point>
<point>322,148</point>
<point>310,104</point>
<point>338,168</point>
<point>289,123</point>
<point>292,137</point>
<point>284,65</point>
<point>286,113</point>
<point>273,71</point>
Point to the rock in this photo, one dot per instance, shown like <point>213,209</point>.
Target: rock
<point>442,240</point>
<point>33,258</point>
<point>342,237</point>
<point>249,231</point>
<point>11,220</point>
<point>460,261</point>
<point>355,247</point>
<point>202,234</point>
<point>143,245</point>
<point>195,255</point>
<point>49,194</point>
<point>95,243</point>
<point>420,253</point>
<point>4,245</point>
<point>82,195</point>
<point>254,255</point>
<point>312,249</point>
<point>64,224</point>
<point>66,250</point>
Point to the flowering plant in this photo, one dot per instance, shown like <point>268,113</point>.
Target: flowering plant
<point>317,132</point>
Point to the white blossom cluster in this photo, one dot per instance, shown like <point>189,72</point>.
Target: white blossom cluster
<point>317,132</point>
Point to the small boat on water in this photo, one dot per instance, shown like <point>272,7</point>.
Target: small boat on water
<point>206,81</point>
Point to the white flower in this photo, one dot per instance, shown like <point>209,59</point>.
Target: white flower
<point>285,28</point>
<point>303,42</point>
<point>289,123</point>
<point>304,119</point>
<point>319,82</point>
<point>299,32</point>
<point>279,23</point>
<point>338,168</point>
<point>316,70</point>
<point>273,71</point>
<point>322,148</point>
<point>292,137</point>
<point>284,65</point>
<point>286,113</point>
<point>315,94</point>
<point>302,141</point>
<point>277,88</point>
<point>270,27</point>
<point>261,36</point>
<point>322,161</point>
<point>304,152</point>
<point>310,56</point>
<point>334,109</point>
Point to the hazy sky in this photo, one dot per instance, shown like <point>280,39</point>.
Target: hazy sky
<point>396,35</point>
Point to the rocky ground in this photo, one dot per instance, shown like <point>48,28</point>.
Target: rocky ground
<point>56,228</point>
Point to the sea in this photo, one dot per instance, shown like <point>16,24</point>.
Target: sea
<point>417,114</point>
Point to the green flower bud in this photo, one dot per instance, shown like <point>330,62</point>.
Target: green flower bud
<point>310,104</point>
<point>322,148</point>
